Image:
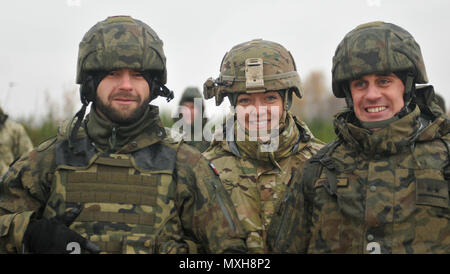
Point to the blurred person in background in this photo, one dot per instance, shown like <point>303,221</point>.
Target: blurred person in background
<point>191,108</point>
<point>14,142</point>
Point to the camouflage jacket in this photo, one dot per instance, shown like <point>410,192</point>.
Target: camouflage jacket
<point>385,191</point>
<point>152,195</point>
<point>14,142</point>
<point>256,185</point>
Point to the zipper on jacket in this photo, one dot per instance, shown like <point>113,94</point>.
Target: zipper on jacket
<point>113,138</point>
<point>224,209</point>
<point>283,207</point>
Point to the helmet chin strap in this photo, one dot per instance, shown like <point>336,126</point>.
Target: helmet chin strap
<point>408,97</point>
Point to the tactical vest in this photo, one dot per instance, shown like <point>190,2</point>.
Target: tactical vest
<point>127,198</point>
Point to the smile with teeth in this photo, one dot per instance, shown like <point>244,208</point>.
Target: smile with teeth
<point>375,109</point>
<point>258,123</point>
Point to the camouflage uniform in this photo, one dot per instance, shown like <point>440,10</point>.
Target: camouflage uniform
<point>256,180</point>
<point>141,191</point>
<point>383,191</point>
<point>191,137</point>
<point>14,142</point>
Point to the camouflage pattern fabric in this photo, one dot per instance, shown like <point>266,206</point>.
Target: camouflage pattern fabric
<point>373,48</point>
<point>278,71</point>
<point>14,142</point>
<point>391,193</point>
<point>134,200</point>
<point>256,184</point>
<point>199,145</point>
<point>121,42</point>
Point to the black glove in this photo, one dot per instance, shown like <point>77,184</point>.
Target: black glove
<point>54,236</point>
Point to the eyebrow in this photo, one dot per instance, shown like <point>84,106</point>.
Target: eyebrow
<point>376,74</point>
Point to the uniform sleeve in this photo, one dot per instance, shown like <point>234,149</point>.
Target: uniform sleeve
<point>289,229</point>
<point>206,211</point>
<point>22,193</point>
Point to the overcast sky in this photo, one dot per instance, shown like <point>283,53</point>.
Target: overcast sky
<point>39,39</point>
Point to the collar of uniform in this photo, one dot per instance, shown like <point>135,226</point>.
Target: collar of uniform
<point>392,139</point>
<point>144,132</point>
<point>287,139</point>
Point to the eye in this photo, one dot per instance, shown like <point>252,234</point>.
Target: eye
<point>243,101</point>
<point>271,98</point>
<point>138,74</point>
<point>358,84</point>
<point>384,81</point>
<point>113,73</point>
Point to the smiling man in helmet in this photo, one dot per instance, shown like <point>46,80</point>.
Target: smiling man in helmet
<point>262,145</point>
<point>113,182</point>
<point>383,185</point>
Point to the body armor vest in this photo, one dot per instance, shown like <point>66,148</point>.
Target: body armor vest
<point>127,197</point>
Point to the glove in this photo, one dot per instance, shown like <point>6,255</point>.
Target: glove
<point>54,236</point>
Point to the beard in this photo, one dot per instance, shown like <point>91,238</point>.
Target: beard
<point>122,115</point>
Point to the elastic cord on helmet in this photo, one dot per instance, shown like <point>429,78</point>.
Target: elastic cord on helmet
<point>88,91</point>
<point>348,95</point>
<point>79,116</point>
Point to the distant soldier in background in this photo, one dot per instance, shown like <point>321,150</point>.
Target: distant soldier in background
<point>192,109</point>
<point>14,142</point>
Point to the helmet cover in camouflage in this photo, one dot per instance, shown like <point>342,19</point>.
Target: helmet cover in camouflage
<point>254,66</point>
<point>121,42</point>
<point>376,47</point>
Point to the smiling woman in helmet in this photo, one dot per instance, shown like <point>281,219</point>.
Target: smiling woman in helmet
<point>265,145</point>
<point>382,185</point>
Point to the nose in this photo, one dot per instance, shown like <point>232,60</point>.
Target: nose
<point>259,109</point>
<point>125,81</point>
<point>373,93</point>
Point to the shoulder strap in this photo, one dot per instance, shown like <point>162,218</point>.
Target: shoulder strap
<point>322,157</point>
<point>157,157</point>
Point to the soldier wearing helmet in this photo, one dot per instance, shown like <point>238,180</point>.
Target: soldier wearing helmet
<point>193,120</point>
<point>383,185</point>
<point>113,182</point>
<point>14,142</point>
<point>259,78</point>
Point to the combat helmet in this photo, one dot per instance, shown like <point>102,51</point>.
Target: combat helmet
<point>189,94</point>
<point>254,66</point>
<point>377,47</point>
<point>115,43</point>
<point>121,42</point>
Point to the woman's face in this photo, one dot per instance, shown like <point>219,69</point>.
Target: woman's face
<point>260,111</point>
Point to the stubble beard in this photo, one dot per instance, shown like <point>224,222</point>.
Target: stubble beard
<point>122,115</point>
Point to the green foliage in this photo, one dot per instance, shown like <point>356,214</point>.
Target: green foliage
<point>39,132</point>
<point>322,129</point>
